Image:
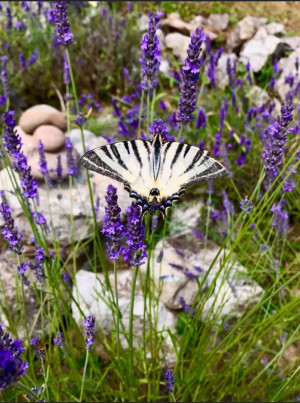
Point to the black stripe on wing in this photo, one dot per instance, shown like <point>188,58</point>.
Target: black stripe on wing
<point>215,170</point>
<point>92,161</point>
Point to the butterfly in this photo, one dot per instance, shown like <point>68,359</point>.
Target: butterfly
<point>154,172</point>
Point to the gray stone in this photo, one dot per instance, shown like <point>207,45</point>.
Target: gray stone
<point>257,96</point>
<point>42,115</point>
<point>178,43</point>
<point>161,37</point>
<point>243,31</point>
<point>175,23</point>
<point>164,67</point>
<point>185,217</point>
<point>288,68</point>
<point>198,21</point>
<point>91,294</point>
<point>90,139</point>
<point>292,41</point>
<point>258,49</point>
<point>225,291</point>
<point>143,22</point>
<point>222,78</point>
<point>275,28</point>
<point>218,21</point>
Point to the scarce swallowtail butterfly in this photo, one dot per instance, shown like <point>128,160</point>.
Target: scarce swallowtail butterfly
<point>154,171</point>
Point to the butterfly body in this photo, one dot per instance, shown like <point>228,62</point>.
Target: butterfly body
<point>154,172</point>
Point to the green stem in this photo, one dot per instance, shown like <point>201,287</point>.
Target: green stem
<point>118,311</point>
<point>173,397</point>
<point>130,341</point>
<point>83,375</point>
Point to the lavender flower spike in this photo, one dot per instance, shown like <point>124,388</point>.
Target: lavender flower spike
<point>59,340</point>
<point>43,164</point>
<point>113,229</point>
<point>276,143</point>
<point>136,249</point>
<point>150,60</point>
<point>72,167</point>
<point>280,219</point>
<point>11,364</point>
<point>60,13</point>
<point>190,75</point>
<point>89,331</point>
<point>169,379</point>
<point>4,76</point>
<point>10,232</point>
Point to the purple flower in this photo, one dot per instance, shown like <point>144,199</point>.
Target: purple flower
<point>169,379</point>
<point>43,164</point>
<point>9,24</point>
<point>289,80</point>
<point>280,219</point>
<point>39,347</point>
<point>89,331</point>
<point>40,219</point>
<point>60,15</point>
<point>9,231</point>
<point>249,77</point>
<point>22,60</point>
<point>12,143</point>
<point>190,75</point>
<point>59,340</point>
<point>201,119</point>
<point>213,62</point>
<point>245,205</point>
<point>184,306</point>
<point>113,229</point>
<point>159,127</point>
<point>59,169</point>
<point>80,119</point>
<point>4,76</point>
<point>135,231</point>
<point>11,364</point>
<point>154,222</point>
<point>72,167</point>
<point>228,206</point>
<point>38,267</point>
<point>66,70</point>
<point>275,144</point>
<point>150,60</point>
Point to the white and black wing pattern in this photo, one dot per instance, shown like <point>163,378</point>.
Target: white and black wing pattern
<point>184,165</point>
<point>127,162</point>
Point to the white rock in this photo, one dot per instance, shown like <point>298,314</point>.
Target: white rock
<point>244,30</point>
<point>225,290</point>
<point>91,294</point>
<point>143,22</point>
<point>222,78</point>
<point>198,21</point>
<point>164,67</point>
<point>258,49</point>
<point>62,204</point>
<point>292,41</point>
<point>178,43</point>
<point>275,28</point>
<point>185,217</point>
<point>91,140</point>
<point>175,23</point>
<point>161,37</point>
<point>288,68</point>
<point>219,21</point>
<point>257,96</point>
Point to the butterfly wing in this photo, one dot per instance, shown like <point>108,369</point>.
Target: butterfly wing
<point>127,162</point>
<point>184,165</point>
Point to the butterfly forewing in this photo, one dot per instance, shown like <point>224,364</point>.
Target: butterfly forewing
<point>184,165</point>
<point>127,162</point>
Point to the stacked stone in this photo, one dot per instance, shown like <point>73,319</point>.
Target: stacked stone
<point>48,125</point>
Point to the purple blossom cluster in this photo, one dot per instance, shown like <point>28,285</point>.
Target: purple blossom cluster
<point>190,75</point>
<point>201,119</point>
<point>60,17</point>
<point>39,347</point>
<point>59,340</point>
<point>4,76</point>
<point>280,219</point>
<point>135,232</point>
<point>150,60</point>
<point>212,65</point>
<point>89,331</point>
<point>10,232</point>
<point>169,379</point>
<point>159,127</point>
<point>275,144</point>
<point>38,267</point>
<point>12,143</point>
<point>113,229</point>
<point>11,364</point>
<point>43,164</point>
<point>72,167</point>
<point>24,64</point>
<point>218,137</point>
